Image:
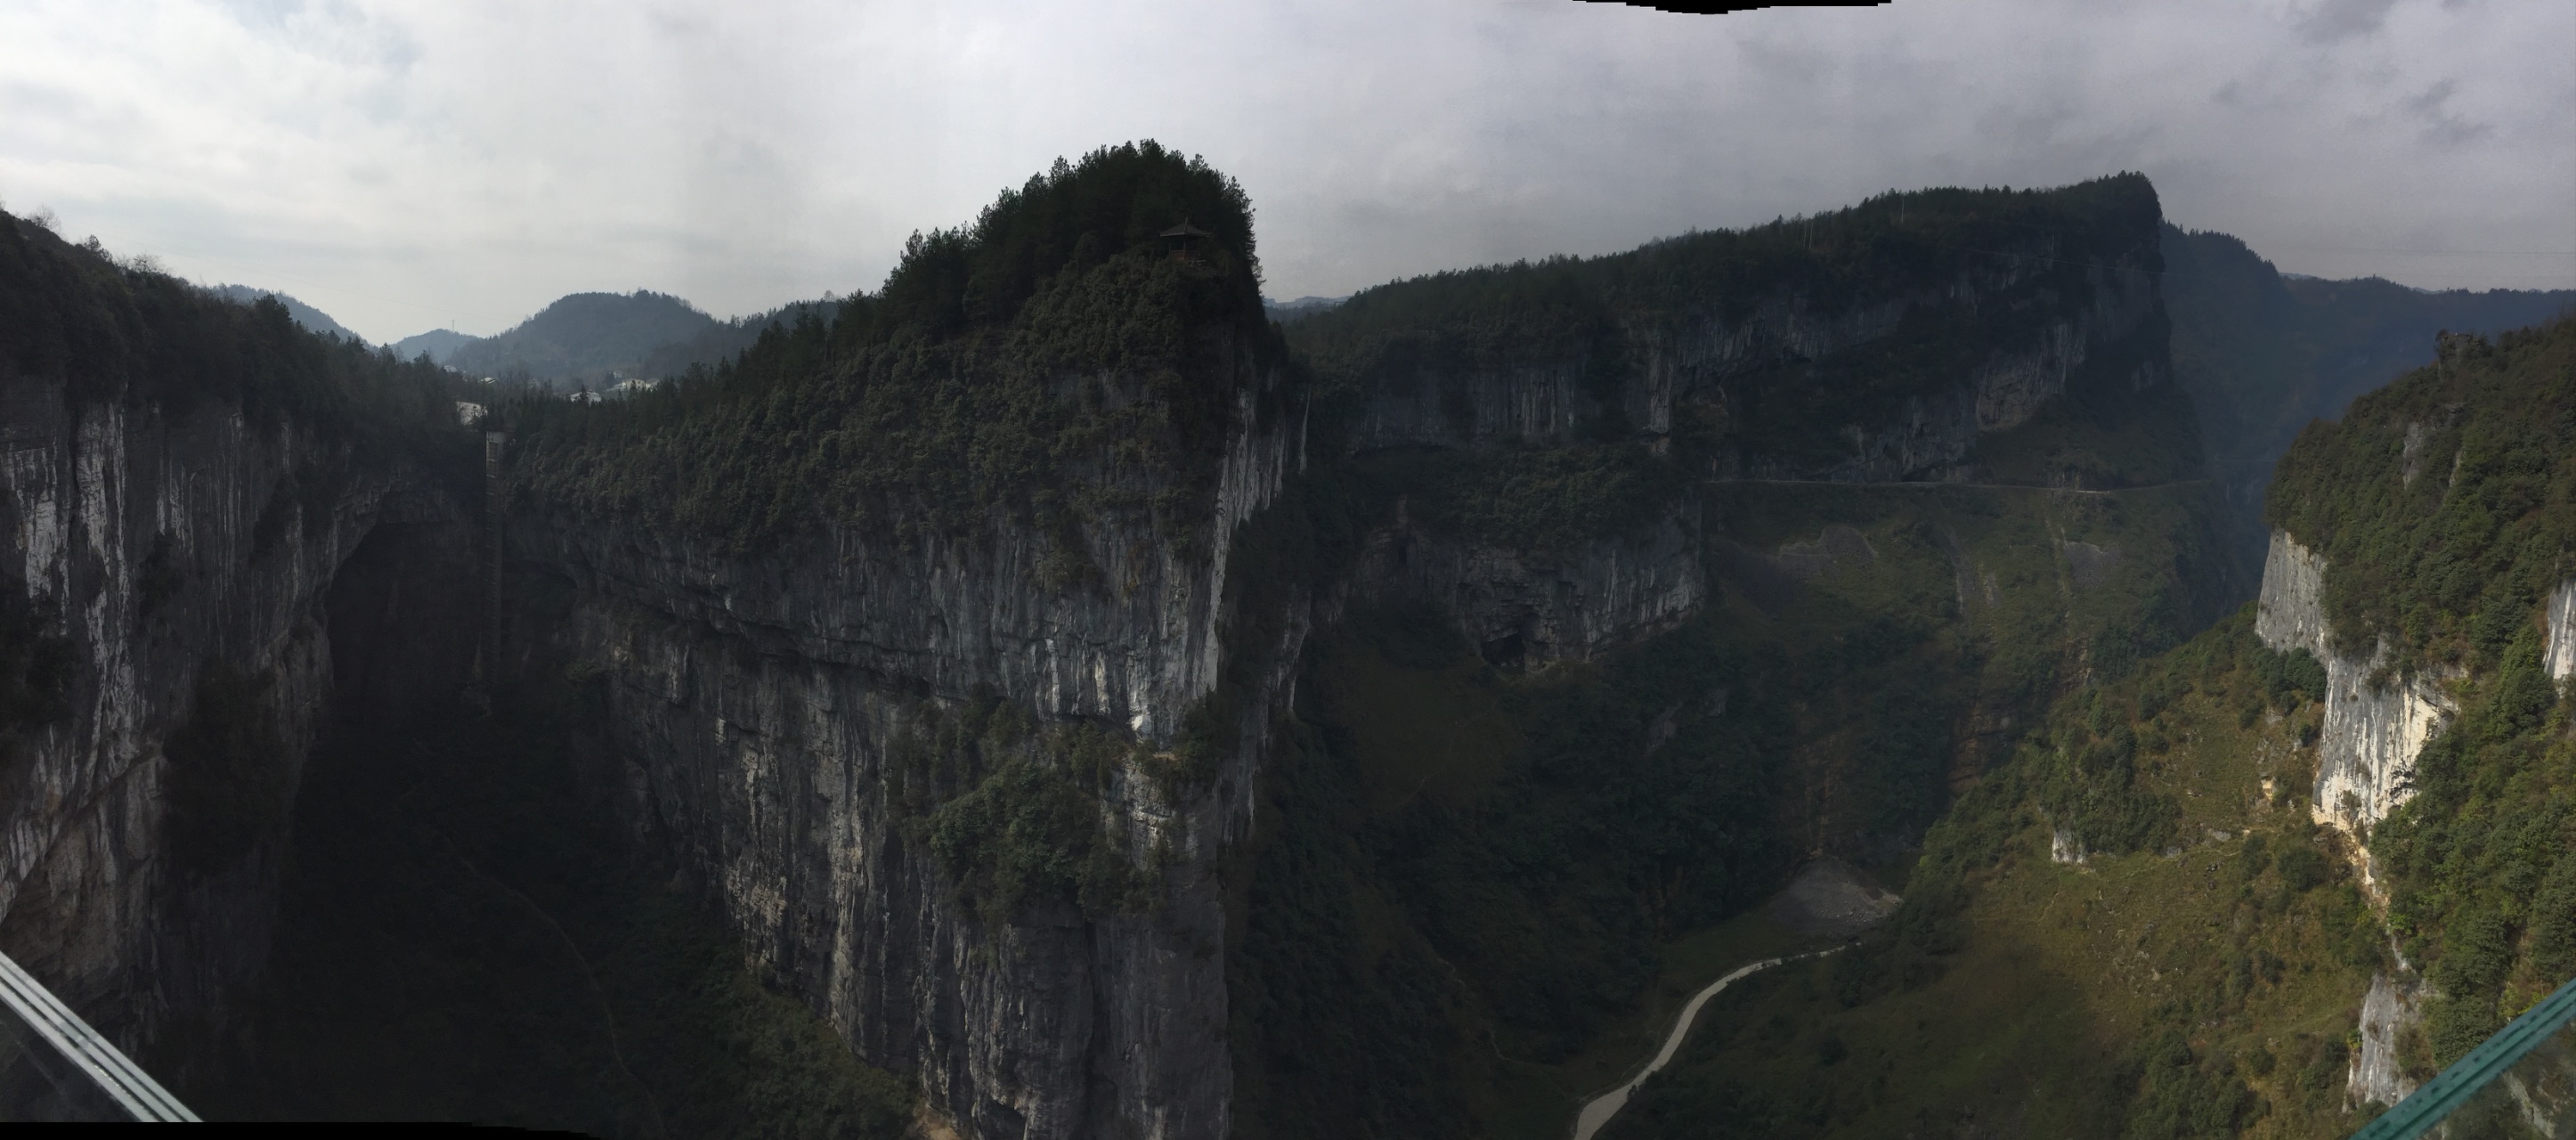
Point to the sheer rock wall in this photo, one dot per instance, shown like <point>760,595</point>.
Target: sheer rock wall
<point>758,702</point>
<point>1703,357</point>
<point>163,544</point>
<point>2374,726</point>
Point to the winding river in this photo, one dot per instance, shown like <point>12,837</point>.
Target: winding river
<point>1600,1109</point>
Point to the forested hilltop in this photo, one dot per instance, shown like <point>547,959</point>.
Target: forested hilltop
<point>976,379</point>
<point>2146,923</point>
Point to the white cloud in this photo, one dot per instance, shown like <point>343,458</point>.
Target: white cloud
<point>410,164</point>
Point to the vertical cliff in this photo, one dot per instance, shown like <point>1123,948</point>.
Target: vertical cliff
<point>181,481</point>
<point>2560,631</point>
<point>2376,723</point>
<point>942,682</point>
<point>779,717</point>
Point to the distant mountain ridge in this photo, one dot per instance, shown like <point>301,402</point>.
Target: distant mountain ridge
<point>306,315</point>
<point>2263,352</point>
<point>585,336</point>
<point>1291,312</point>
<point>440,344</point>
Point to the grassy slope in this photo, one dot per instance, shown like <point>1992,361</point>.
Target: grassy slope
<point>2037,1006</point>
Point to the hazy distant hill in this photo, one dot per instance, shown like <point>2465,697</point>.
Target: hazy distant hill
<point>2263,352</point>
<point>586,335</point>
<point>1291,312</point>
<point>440,344</point>
<point>305,315</point>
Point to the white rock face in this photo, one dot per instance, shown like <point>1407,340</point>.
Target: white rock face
<point>2561,652</point>
<point>2373,733</point>
<point>2374,1075</point>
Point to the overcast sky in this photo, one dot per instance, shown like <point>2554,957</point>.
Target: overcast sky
<point>410,165</point>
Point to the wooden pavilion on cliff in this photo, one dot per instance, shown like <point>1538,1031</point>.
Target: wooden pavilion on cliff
<point>1185,239</point>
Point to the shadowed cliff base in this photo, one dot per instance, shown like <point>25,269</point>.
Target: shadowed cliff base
<point>461,938</point>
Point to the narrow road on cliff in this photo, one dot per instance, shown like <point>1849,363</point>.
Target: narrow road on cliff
<point>1598,1111</point>
<point>1974,486</point>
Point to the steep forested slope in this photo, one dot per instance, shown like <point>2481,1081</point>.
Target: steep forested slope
<point>306,316</point>
<point>2167,914</point>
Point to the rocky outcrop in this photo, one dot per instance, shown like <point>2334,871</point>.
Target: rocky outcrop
<point>2375,727</point>
<point>2387,1012</point>
<point>1836,547</point>
<point>2375,724</point>
<point>2560,653</point>
<point>764,705</point>
<point>167,548</point>
<point>1520,608</point>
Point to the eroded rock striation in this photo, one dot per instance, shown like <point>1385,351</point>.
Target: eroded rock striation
<point>767,708</point>
<point>185,560</point>
<point>2375,723</point>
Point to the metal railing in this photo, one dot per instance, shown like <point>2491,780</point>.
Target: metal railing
<point>54,1067</point>
<point>2519,1083</point>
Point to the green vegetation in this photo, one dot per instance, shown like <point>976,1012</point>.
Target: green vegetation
<point>2199,971</point>
<point>465,935</point>
<point>1538,313</point>
<point>1052,361</point>
<point>584,336</point>
<point>110,331</point>
<point>1472,883</point>
<point>1013,814</point>
<point>2262,354</point>
<point>2482,885</point>
<point>2443,548</point>
<point>1605,318</point>
<point>2191,978</point>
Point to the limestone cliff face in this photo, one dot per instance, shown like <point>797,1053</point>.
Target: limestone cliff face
<point>1718,371</point>
<point>2560,654</point>
<point>759,704</point>
<point>1521,607</point>
<point>2366,754</point>
<point>165,546</point>
<point>2374,728</point>
<point>2387,1011</point>
<point>1647,369</point>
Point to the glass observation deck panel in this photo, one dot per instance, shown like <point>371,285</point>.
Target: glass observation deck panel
<point>54,1067</point>
<point>2519,1083</point>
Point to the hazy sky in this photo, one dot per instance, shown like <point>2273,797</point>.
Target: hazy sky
<point>409,165</point>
